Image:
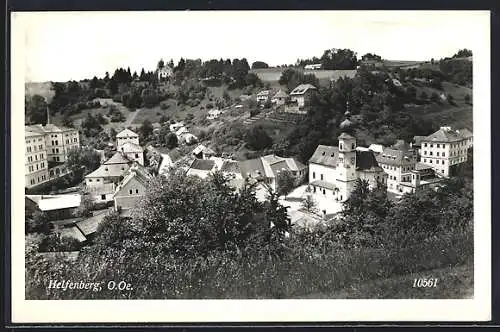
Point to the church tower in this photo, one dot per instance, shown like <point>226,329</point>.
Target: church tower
<point>346,162</point>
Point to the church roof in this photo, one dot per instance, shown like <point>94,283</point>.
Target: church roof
<point>345,124</point>
<point>325,155</point>
<point>366,161</point>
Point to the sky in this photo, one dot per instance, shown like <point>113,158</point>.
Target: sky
<point>62,46</point>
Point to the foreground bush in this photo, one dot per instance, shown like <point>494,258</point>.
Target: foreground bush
<point>306,269</point>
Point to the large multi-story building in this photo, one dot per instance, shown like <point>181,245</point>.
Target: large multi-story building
<point>36,166</point>
<point>445,149</point>
<point>47,149</point>
<point>398,161</point>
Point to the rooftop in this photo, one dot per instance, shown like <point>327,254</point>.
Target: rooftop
<point>127,133</point>
<point>203,164</point>
<point>117,158</point>
<point>325,155</point>
<point>302,88</point>
<point>56,202</point>
<point>446,134</point>
<point>48,128</point>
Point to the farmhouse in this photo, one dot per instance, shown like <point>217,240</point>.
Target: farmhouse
<point>214,114</point>
<point>263,96</point>
<point>300,97</point>
<point>279,98</point>
<point>165,73</point>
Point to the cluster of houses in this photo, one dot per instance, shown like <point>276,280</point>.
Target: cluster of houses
<point>332,171</point>
<point>295,102</point>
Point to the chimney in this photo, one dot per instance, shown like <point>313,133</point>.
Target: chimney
<point>48,115</point>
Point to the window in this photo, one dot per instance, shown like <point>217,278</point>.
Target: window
<point>37,169</point>
<point>425,160</point>
<point>106,169</point>
<point>425,144</point>
<point>137,191</point>
<point>314,189</point>
<point>442,154</point>
<point>98,180</point>
<point>57,142</point>
<point>57,158</point>
<point>324,192</point>
<point>430,153</point>
<point>90,180</point>
<point>442,162</point>
<point>442,171</point>
<point>314,175</point>
<point>353,146</point>
<point>425,152</point>
<point>341,146</point>
<point>431,145</point>
<point>321,175</point>
<point>57,150</point>
<point>430,161</point>
<point>130,191</point>
<point>137,155</point>
<point>103,197</point>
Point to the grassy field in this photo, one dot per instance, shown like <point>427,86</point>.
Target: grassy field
<point>442,113</point>
<point>453,283</point>
<point>324,76</point>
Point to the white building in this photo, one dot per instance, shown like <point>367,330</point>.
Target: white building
<point>214,114</point>
<point>333,171</point>
<point>165,73</point>
<point>315,66</point>
<point>263,96</point>
<point>47,148</point>
<point>300,97</point>
<point>279,98</point>
<point>445,149</point>
<point>398,162</point>
<point>133,152</point>
<point>126,136</point>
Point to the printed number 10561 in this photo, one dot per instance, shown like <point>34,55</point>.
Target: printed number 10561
<point>424,282</point>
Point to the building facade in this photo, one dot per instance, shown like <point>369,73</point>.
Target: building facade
<point>126,136</point>
<point>132,188</point>
<point>35,163</point>
<point>47,148</point>
<point>445,149</point>
<point>397,161</point>
<point>300,97</point>
<point>333,171</point>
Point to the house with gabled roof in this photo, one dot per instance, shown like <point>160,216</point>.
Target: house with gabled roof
<point>133,152</point>
<point>126,136</point>
<point>101,183</point>
<point>267,169</point>
<point>132,188</point>
<point>279,98</point>
<point>300,97</point>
